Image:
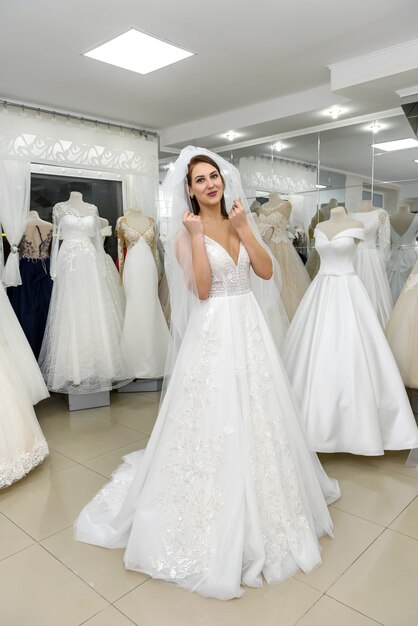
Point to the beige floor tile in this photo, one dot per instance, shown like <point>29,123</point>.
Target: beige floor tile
<point>329,612</point>
<point>352,536</point>
<point>375,494</point>
<point>105,464</point>
<point>159,604</point>
<point>135,412</point>
<point>51,504</point>
<point>383,582</point>
<point>109,617</point>
<point>394,462</point>
<point>12,538</point>
<point>37,590</point>
<point>407,522</point>
<point>83,435</point>
<point>101,569</point>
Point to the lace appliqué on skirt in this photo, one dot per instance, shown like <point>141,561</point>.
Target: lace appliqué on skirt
<point>22,464</point>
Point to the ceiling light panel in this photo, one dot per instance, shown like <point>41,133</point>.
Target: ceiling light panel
<point>138,52</point>
<point>398,144</point>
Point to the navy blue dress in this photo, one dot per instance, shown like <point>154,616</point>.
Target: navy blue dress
<point>30,300</point>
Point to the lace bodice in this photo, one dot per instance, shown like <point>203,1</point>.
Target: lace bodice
<point>376,229</point>
<point>279,223</point>
<point>337,254</point>
<point>412,280</point>
<point>31,249</point>
<point>228,279</point>
<point>408,239</point>
<point>128,237</point>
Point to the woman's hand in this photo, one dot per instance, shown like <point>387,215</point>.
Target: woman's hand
<point>237,215</point>
<point>193,224</point>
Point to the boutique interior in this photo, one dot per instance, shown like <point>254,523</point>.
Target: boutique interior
<point>320,119</point>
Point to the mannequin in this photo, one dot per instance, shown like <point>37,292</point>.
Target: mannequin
<point>136,219</point>
<point>366,205</point>
<point>322,215</point>
<point>255,207</point>
<point>273,203</point>
<point>76,201</point>
<point>402,219</point>
<point>37,232</point>
<point>338,221</point>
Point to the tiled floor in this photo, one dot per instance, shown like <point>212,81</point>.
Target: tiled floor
<point>369,575</point>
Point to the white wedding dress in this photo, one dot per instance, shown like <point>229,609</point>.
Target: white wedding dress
<point>295,278</point>
<point>20,352</point>
<point>226,490</point>
<point>82,350</point>
<point>370,260</point>
<point>404,254</point>
<point>22,444</point>
<point>342,370</point>
<point>145,330</point>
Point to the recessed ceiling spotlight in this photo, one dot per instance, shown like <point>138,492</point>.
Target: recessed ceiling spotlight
<point>375,127</point>
<point>279,146</point>
<point>231,135</point>
<point>335,112</point>
<point>321,186</point>
<point>138,52</point>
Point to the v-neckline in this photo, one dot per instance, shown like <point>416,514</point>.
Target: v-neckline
<point>226,251</point>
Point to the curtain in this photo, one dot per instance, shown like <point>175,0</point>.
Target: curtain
<point>14,210</point>
<point>141,193</point>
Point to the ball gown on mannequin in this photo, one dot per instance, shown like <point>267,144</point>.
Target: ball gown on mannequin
<point>114,284</point>
<point>30,300</point>
<point>145,330</point>
<point>370,260</point>
<point>82,350</point>
<point>402,330</point>
<point>295,278</point>
<point>339,363</point>
<point>226,490</point>
<point>404,254</point>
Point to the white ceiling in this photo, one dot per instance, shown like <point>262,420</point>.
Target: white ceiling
<point>260,67</point>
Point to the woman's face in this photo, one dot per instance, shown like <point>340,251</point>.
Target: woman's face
<point>206,184</point>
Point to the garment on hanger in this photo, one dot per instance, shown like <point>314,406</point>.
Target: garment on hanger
<point>402,330</point>
<point>370,260</point>
<point>145,330</point>
<point>30,300</point>
<point>226,490</point>
<point>20,351</point>
<point>295,278</point>
<point>82,350</point>
<point>22,444</point>
<point>339,363</point>
<point>404,254</point>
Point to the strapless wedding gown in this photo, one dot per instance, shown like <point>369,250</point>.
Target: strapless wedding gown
<point>370,260</point>
<point>82,350</point>
<point>226,490</point>
<point>295,278</point>
<point>404,254</point>
<point>342,370</point>
<point>145,330</point>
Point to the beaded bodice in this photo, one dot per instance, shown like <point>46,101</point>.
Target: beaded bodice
<point>228,278</point>
<point>128,237</point>
<point>279,223</point>
<point>35,249</point>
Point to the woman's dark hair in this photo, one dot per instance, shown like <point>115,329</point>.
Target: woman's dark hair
<point>202,158</point>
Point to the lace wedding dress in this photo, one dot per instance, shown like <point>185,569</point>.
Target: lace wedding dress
<point>295,278</point>
<point>145,330</point>
<point>82,350</point>
<point>402,330</point>
<point>226,490</point>
<point>404,254</point>
<point>370,260</point>
<point>340,365</point>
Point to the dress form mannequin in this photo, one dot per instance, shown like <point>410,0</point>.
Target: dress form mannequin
<point>366,205</point>
<point>76,201</point>
<point>402,219</point>
<point>273,203</point>
<point>135,219</point>
<point>338,221</point>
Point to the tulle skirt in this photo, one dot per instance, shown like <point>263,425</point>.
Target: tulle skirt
<point>145,330</point>
<point>20,352</point>
<point>370,267</point>
<point>402,331</point>
<point>401,262</point>
<point>82,350</point>
<point>226,490</point>
<point>22,444</point>
<point>295,278</point>
<point>343,373</point>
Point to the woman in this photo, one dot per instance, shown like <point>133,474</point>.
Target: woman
<point>226,491</point>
